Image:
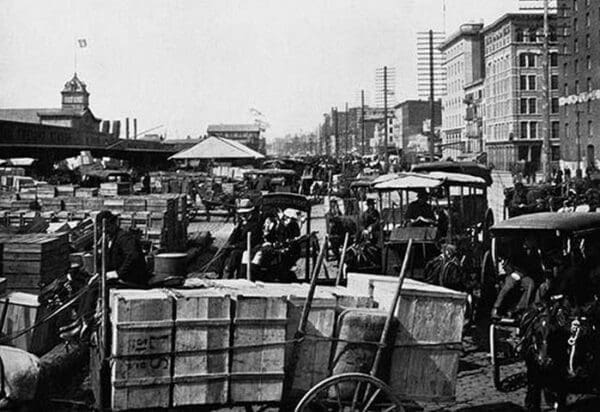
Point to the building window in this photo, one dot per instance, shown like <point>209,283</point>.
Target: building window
<point>531,81</point>
<point>554,60</point>
<point>589,63</point>
<point>555,152</point>
<point>589,84</point>
<point>590,129</point>
<point>576,45</point>
<point>523,106</point>
<point>519,35</point>
<point>566,92</point>
<point>532,106</point>
<point>575,8</point>
<point>566,130</point>
<point>554,105</point>
<point>523,130</point>
<point>587,41</point>
<point>555,129</point>
<point>554,82</point>
<point>587,20</point>
<point>533,130</point>
<point>565,69</point>
<point>576,66</point>
<point>576,86</point>
<point>523,82</point>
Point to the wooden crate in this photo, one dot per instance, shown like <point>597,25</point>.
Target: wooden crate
<point>73,203</point>
<point>142,331</point>
<point>86,192</point>
<point>134,204</point>
<point>202,326</point>
<point>257,373</point>
<point>312,362</point>
<point>424,363</point>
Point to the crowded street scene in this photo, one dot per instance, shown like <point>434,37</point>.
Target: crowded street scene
<point>300,206</point>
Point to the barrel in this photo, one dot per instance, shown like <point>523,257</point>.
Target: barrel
<point>170,264</point>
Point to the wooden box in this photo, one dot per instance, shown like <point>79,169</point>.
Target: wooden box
<point>142,332</point>
<point>425,360</point>
<point>201,360</point>
<point>21,313</point>
<point>257,372</point>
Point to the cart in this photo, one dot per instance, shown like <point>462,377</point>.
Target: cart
<point>552,232</point>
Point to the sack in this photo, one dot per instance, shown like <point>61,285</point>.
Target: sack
<point>20,371</point>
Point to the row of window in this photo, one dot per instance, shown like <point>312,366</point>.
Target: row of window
<point>529,105</point>
<point>529,82</point>
<point>530,60</point>
<point>529,130</point>
<point>577,89</point>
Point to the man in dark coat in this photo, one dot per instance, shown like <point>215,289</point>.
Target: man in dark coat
<point>370,221</point>
<point>420,212</point>
<point>249,222</point>
<point>125,258</point>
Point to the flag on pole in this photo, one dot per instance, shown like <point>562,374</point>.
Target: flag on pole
<point>82,43</point>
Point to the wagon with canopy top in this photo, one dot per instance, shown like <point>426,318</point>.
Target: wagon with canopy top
<point>552,235</point>
<point>272,180</point>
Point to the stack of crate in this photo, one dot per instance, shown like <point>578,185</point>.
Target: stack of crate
<point>86,192</point>
<point>134,204</point>
<point>52,204</point>
<point>114,189</point>
<point>65,190</point>
<point>46,191</point>
<point>31,260</point>
<point>72,203</point>
<point>93,203</point>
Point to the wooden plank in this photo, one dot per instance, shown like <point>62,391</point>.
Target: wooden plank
<point>202,325</point>
<point>257,373</point>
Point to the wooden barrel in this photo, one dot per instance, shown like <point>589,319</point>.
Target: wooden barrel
<point>170,264</point>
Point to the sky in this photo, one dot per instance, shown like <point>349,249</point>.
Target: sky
<point>184,64</point>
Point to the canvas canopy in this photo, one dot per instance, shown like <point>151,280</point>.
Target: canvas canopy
<point>217,148</point>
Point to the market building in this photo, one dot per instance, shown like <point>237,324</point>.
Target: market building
<point>579,101</point>
<point>246,134</point>
<point>513,91</point>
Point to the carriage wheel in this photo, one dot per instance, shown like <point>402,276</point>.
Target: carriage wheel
<point>350,392</point>
<point>502,353</point>
<point>487,284</point>
<point>488,222</point>
<point>494,357</point>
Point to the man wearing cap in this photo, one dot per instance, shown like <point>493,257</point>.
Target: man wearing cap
<point>419,212</point>
<point>248,222</point>
<point>370,221</point>
<point>125,258</point>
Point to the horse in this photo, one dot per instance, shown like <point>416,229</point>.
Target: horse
<point>561,348</point>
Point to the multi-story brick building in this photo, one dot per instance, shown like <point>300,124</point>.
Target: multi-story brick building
<point>463,60</point>
<point>247,134</point>
<point>579,82</point>
<point>409,117</point>
<point>513,114</point>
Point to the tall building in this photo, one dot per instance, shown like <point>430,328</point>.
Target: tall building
<point>428,45</point>
<point>513,104</point>
<point>463,61</point>
<point>580,82</point>
<point>73,113</point>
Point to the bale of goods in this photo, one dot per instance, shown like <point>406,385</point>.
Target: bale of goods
<point>86,192</point>
<point>65,190</point>
<point>93,203</point>
<point>72,203</point>
<point>134,204</point>
<point>114,189</point>
<point>428,343</point>
<point>46,191</point>
<point>32,260</point>
<point>52,204</point>
<point>141,348</point>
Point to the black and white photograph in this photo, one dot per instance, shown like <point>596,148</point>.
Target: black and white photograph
<point>299,206</point>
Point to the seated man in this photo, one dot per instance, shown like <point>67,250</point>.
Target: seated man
<point>420,212</point>
<point>249,222</point>
<point>370,220</point>
<point>125,258</point>
<point>523,270</point>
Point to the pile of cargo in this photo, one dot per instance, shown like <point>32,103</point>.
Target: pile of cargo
<point>32,260</point>
<point>176,182</point>
<point>225,343</point>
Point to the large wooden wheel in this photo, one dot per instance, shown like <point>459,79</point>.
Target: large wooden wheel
<point>487,284</point>
<point>350,392</point>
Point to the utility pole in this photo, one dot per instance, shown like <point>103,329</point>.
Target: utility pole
<point>546,149</point>
<point>431,98</point>
<point>362,120</point>
<point>346,137</point>
<point>578,137</point>
<point>337,139</point>
<point>385,122</point>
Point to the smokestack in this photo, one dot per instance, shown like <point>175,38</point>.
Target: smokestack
<point>127,128</point>
<point>134,128</point>
<point>116,128</point>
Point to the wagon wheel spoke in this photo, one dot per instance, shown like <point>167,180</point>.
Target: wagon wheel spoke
<point>371,400</point>
<point>355,397</point>
<point>390,409</point>
<point>366,393</point>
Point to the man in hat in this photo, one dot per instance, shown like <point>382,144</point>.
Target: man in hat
<point>370,220</point>
<point>248,222</point>
<point>125,258</point>
<point>419,212</point>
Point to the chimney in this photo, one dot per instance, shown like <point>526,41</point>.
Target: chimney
<point>116,128</point>
<point>127,128</point>
<point>134,128</point>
